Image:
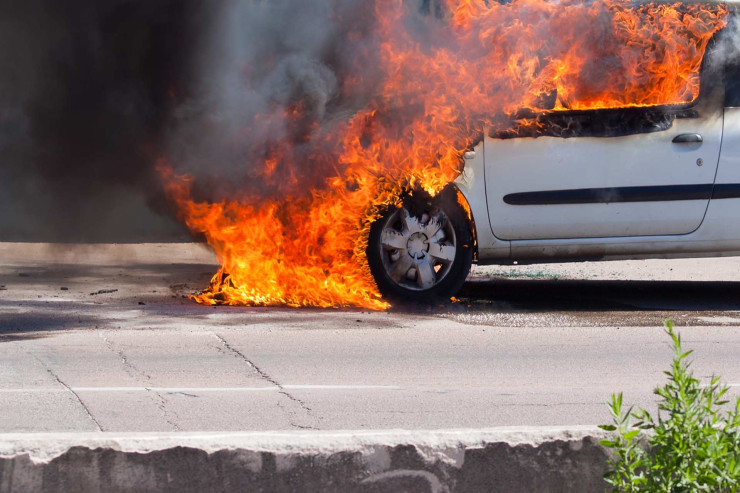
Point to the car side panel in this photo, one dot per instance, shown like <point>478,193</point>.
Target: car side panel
<point>729,162</point>
<point>472,184</point>
<point>718,235</point>
<point>549,166</point>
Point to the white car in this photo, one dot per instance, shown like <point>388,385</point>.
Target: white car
<point>654,182</point>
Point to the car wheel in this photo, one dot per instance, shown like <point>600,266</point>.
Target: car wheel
<point>421,254</point>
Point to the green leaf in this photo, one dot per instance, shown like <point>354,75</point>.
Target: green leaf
<point>631,434</point>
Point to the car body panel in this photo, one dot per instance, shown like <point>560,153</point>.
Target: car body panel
<point>729,163</point>
<point>528,179</point>
<point>472,184</point>
<point>717,235</point>
<point>706,227</point>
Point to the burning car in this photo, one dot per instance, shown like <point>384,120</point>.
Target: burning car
<point>407,146</point>
<point>649,181</point>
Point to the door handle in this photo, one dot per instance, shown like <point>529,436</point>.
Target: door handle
<point>687,139</point>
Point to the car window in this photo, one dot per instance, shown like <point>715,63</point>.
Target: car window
<point>732,85</point>
<point>609,122</point>
<point>616,122</point>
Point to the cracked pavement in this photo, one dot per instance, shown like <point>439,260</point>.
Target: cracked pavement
<point>282,391</point>
<point>537,345</point>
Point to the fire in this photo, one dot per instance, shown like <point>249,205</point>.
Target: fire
<point>435,94</point>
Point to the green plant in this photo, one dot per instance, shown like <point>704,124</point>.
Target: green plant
<point>692,445</point>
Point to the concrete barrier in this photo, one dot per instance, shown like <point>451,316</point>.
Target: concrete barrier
<point>502,459</point>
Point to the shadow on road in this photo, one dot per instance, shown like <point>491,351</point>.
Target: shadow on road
<point>603,295</point>
<point>37,300</point>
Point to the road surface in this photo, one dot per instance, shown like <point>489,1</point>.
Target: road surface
<point>100,338</point>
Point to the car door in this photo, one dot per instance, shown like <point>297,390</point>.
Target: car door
<point>631,172</point>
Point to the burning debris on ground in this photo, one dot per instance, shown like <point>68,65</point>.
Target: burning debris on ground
<point>103,291</point>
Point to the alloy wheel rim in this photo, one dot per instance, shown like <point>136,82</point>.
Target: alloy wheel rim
<point>417,252</point>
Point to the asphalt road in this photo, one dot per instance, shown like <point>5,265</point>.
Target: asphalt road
<point>100,338</point>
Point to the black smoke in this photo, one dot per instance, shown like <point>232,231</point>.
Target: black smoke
<point>87,91</point>
<point>94,92</point>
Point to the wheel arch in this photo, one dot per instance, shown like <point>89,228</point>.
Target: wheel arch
<point>452,192</point>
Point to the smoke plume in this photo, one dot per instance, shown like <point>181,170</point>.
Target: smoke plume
<point>87,89</point>
<point>242,95</point>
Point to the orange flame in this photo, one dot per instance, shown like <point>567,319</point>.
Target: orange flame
<point>484,63</point>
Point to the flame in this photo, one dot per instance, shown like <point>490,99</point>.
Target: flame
<point>479,69</point>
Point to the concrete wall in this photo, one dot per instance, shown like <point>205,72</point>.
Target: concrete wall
<point>499,460</point>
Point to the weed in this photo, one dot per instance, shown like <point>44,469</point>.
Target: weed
<point>692,445</point>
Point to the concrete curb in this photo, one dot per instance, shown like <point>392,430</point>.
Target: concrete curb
<point>498,459</point>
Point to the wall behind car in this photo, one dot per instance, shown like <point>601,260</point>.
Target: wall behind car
<point>86,90</point>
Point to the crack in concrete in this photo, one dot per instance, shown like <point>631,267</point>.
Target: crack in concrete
<point>69,389</point>
<point>265,376</point>
<point>87,410</point>
<point>181,393</point>
<point>129,367</point>
<point>136,373</point>
<point>161,404</point>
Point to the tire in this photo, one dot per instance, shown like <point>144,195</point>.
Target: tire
<point>421,253</point>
